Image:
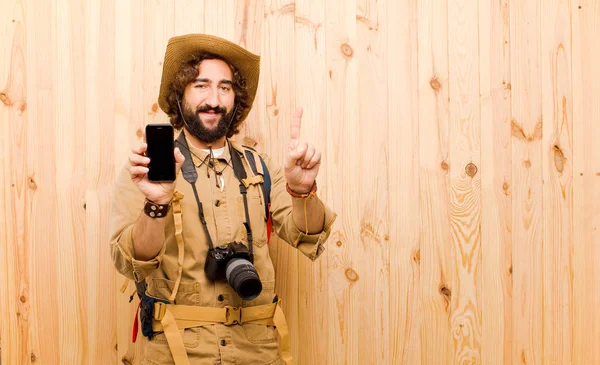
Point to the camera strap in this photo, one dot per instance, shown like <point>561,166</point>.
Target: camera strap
<point>240,174</point>
<point>190,175</point>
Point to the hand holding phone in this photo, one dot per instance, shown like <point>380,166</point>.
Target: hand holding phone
<point>154,164</point>
<point>160,140</point>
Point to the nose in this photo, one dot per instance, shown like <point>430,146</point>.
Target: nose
<point>212,99</point>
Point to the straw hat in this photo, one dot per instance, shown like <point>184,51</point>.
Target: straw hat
<point>181,48</point>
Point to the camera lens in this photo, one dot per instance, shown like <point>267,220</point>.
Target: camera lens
<point>243,278</point>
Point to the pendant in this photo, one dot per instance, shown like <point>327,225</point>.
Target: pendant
<point>222,181</point>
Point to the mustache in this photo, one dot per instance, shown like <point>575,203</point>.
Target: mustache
<point>206,108</point>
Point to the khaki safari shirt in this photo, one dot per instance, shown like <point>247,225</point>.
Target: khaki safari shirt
<point>224,212</point>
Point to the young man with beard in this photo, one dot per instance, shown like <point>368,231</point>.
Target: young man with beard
<point>220,209</point>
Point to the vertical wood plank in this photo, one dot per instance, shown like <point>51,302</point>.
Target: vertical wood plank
<point>309,35</point>
<point>279,81</point>
<point>219,18</point>
<point>342,124</point>
<point>403,183</point>
<point>465,194</point>
<point>371,199</point>
<point>129,122</point>
<point>41,175</point>
<point>586,184</point>
<point>15,329</point>
<point>557,170</point>
<point>69,144</point>
<point>100,323</point>
<point>189,16</point>
<point>159,26</point>
<point>42,181</point>
<point>526,129</point>
<point>248,28</point>
<point>496,178</point>
<point>249,17</point>
<point>437,257</point>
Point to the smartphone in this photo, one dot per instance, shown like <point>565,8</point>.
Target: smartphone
<point>160,140</point>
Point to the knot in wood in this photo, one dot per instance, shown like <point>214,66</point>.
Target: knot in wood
<point>351,275</point>
<point>471,169</point>
<point>347,51</point>
<point>435,83</point>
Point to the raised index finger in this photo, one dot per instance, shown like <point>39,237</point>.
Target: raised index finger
<point>295,128</point>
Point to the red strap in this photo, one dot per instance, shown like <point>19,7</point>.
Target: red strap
<point>134,332</point>
<point>269,225</point>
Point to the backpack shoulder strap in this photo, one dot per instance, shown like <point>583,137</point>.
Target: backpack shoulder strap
<point>266,186</point>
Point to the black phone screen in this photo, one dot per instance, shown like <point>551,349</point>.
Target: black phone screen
<point>159,138</point>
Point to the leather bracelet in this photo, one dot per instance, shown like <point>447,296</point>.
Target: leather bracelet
<point>154,210</point>
<point>312,191</point>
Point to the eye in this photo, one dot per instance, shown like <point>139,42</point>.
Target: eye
<point>201,86</point>
<point>225,88</point>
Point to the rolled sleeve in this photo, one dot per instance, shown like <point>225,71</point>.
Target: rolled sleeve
<point>311,245</point>
<point>127,205</point>
<point>123,258</point>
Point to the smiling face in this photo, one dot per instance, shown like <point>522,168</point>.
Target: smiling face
<point>208,101</point>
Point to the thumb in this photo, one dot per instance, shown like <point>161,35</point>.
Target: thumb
<point>179,158</point>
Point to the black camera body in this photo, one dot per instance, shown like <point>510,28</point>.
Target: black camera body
<point>234,264</point>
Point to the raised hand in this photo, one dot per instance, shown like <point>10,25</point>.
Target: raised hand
<point>157,192</point>
<point>302,160</point>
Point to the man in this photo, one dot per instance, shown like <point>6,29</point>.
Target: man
<point>190,314</point>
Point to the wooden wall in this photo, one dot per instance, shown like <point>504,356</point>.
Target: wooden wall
<point>461,151</point>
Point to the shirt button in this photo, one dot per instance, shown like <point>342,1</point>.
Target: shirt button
<point>220,298</point>
<point>217,203</point>
<point>223,343</point>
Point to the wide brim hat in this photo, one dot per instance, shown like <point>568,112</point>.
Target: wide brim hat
<point>181,48</point>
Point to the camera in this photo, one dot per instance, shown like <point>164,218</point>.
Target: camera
<point>234,264</point>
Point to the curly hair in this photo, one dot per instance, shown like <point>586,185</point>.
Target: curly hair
<point>187,73</point>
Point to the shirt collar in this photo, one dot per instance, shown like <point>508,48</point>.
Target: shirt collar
<point>199,155</point>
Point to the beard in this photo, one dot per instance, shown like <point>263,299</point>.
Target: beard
<point>196,127</point>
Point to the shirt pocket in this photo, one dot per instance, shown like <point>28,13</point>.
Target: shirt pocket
<point>256,211</point>
<point>188,292</point>
<point>190,336</point>
<point>260,333</point>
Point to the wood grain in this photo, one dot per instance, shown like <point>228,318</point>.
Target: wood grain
<point>15,325</point>
<point>278,60</point>
<point>310,48</point>
<point>41,175</point>
<point>371,195</point>
<point>527,194</point>
<point>342,123</point>
<point>465,179</point>
<point>69,145</point>
<point>459,152</point>
<point>249,17</point>
<point>557,168</point>
<point>190,16</point>
<point>219,18</point>
<point>496,183</point>
<point>403,184</point>
<point>100,110</point>
<point>437,254</point>
<point>586,183</point>
<point>128,125</point>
